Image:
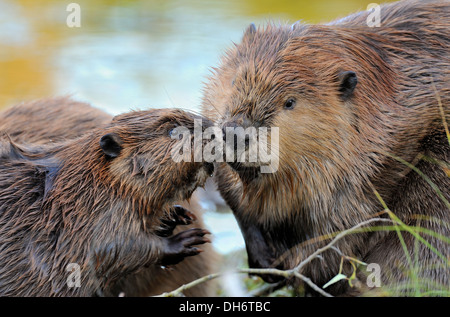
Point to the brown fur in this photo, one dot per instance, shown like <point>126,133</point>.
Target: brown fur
<point>157,280</point>
<point>61,118</point>
<point>68,203</point>
<point>50,120</point>
<point>333,148</point>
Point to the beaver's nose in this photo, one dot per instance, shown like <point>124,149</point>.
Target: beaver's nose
<point>241,122</point>
<point>230,127</point>
<point>237,134</point>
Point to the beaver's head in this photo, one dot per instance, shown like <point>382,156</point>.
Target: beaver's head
<point>138,148</point>
<point>317,85</point>
<point>290,79</point>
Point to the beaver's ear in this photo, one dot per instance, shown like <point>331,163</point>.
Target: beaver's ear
<point>250,31</point>
<point>347,83</point>
<point>111,145</point>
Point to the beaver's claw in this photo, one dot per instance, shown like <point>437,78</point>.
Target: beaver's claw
<point>178,216</point>
<point>182,245</point>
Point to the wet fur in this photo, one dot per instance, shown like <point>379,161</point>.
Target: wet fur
<point>333,147</point>
<point>68,203</point>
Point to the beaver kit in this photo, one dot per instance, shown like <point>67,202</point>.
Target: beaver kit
<point>101,204</point>
<point>360,110</point>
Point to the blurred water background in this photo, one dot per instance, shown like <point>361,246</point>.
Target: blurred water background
<point>136,55</point>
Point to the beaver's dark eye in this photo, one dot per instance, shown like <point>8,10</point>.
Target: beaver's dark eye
<point>289,104</point>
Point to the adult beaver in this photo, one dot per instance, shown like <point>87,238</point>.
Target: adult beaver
<point>348,99</point>
<point>103,201</point>
<point>61,118</point>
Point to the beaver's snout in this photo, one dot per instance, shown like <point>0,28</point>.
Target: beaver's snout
<point>239,127</point>
<point>240,136</point>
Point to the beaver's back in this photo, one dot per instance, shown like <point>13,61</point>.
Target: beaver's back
<point>50,120</point>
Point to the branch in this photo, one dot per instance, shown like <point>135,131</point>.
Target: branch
<point>295,272</point>
<point>336,239</point>
<point>179,291</point>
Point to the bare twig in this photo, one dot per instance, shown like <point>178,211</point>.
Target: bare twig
<point>179,291</point>
<point>295,272</point>
<point>336,239</point>
<point>266,289</point>
<point>308,281</point>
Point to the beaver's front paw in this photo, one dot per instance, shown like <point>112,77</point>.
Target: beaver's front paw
<point>182,245</point>
<point>178,216</point>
